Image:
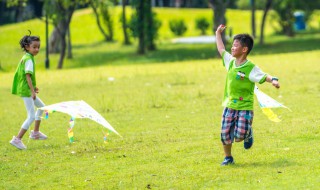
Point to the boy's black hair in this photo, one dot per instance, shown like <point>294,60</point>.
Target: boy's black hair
<point>245,40</point>
<point>27,40</point>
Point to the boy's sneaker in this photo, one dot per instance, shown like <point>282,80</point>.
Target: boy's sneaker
<point>249,140</point>
<point>17,143</point>
<point>37,135</point>
<point>227,161</point>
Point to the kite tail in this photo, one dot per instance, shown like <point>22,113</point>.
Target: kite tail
<point>105,138</point>
<point>269,113</point>
<point>70,130</point>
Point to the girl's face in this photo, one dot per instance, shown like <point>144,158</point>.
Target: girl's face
<point>33,48</point>
<point>237,50</point>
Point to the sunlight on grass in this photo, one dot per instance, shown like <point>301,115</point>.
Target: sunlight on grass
<point>169,117</point>
<point>167,107</point>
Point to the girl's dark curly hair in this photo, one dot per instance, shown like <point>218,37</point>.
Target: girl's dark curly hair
<point>27,40</point>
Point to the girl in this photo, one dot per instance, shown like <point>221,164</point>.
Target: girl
<point>24,85</point>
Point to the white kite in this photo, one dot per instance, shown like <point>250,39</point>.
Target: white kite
<point>78,109</point>
<point>266,103</point>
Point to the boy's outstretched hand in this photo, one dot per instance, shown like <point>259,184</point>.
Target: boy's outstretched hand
<point>221,28</point>
<point>275,83</point>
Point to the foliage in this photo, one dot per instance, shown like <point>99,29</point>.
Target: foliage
<point>178,26</point>
<point>246,4</point>
<point>105,12</point>
<point>202,24</point>
<point>90,51</point>
<point>156,25</point>
<point>286,8</point>
<point>133,23</point>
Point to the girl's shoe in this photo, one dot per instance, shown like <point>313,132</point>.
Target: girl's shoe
<point>37,135</point>
<point>17,143</point>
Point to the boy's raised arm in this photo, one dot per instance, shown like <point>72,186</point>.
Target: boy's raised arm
<point>220,45</point>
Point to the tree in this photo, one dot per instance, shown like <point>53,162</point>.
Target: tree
<point>286,8</point>
<point>140,25</point>
<point>103,6</point>
<point>265,12</point>
<point>219,10</point>
<point>150,29</point>
<point>61,13</point>
<point>124,23</point>
<point>144,25</point>
<point>94,5</point>
<point>253,18</point>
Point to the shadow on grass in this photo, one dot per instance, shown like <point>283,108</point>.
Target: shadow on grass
<point>166,53</point>
<point>288,46</point>
<point>275,164</point>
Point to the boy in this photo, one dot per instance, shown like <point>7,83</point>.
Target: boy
<point>242,75</point>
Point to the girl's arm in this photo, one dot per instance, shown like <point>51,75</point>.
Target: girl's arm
<point>273,80</point>
<point>33,93</point>
<point>220,45</point>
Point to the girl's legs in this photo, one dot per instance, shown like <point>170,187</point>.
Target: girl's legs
<point>38,103</point>
<point>32,115</point>
<point>28,102</point>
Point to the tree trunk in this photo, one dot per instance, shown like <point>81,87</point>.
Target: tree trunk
<point>141,35</point>
<point>149,21</point>
<point>69,43</point>
<point>55,40</point>
<point>266,10</point>
<point>124,23</point>
<point>94,8</point>
<point>104,10</point>
<point>219,10</point>
<point>253,18</point>
<point>68,12</point>
<point>63,50</point>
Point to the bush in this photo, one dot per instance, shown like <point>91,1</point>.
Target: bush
<point>178,27</point>
<point>133,25</point>
<point>202,24</point>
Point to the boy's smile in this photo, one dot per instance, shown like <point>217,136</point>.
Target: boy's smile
<point>237,50</point>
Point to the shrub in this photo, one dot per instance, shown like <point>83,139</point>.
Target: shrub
<point>202,24</point>
<point>178,27</point>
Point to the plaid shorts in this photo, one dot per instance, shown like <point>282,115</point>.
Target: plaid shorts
<point>235,124</point>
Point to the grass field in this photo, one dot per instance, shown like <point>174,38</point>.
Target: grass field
<point>167,107</point>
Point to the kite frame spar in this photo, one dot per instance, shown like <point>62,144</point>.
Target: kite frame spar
<point>266,103</point>
<point>79,109</point>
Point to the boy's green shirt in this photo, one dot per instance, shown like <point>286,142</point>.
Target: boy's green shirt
<point>240,83</point>
<point>20,85</point>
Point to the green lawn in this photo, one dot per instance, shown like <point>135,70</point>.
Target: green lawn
<point>167,107</point>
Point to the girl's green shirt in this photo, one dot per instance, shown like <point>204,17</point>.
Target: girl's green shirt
<point>20,85</point>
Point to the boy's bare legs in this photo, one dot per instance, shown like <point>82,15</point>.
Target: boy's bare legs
<point>227,149</point>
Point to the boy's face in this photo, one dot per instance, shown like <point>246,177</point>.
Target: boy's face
<point>237,50</point>
<point>34,48</point>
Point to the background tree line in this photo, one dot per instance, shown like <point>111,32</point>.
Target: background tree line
<point>144,23</point>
